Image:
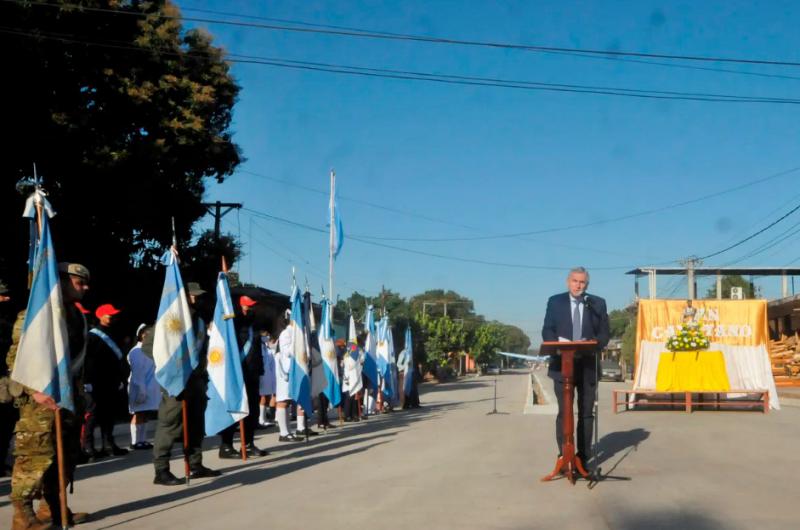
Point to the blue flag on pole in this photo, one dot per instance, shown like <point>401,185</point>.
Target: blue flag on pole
<point>370,359</point>
<point>174,351</point>
<point>43,358</point>
<point>385,356</point>
<point>299,383</point>
<point>227,396</point>
<point>406,362</point>
<point>337,231</point>
<point>330,365</point>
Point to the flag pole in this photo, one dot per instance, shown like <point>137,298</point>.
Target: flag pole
<point>184,408</point>
<point>330,235</point>
<point>62,480</point>
<point>242,444</point>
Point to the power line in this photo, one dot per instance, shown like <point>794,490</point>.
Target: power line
<point>417,215</point>
<point>751,236</point>
<point>562,53</point>
<point>418,38</point>
<point>360,202</point>
<point>600,222</point>
<point>421,252</point>
<point>448,79</point>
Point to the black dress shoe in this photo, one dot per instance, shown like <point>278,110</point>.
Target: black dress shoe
<point>166,478</point>
<point>204,472</point>
<point>306,431</point>
<point>252,450</point>
<point>227,451</point>
<point>289,438</point>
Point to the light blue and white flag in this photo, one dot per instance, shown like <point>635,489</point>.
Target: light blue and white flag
<point>353,382</point>
<point>385,355</point>
<point>174,351</point>
<point>407,363</point>
<point>370,367</point>
<point>299,383</point>
<point>330,366</point>
<point>337,230</point>
<point>43,357</point>
<point>227,396</point>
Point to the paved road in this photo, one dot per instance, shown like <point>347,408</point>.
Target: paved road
<point>450,465</point>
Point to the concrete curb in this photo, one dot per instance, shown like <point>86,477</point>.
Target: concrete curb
<point>550,408</point>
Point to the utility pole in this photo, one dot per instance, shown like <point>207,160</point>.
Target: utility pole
<point>215,209</point>
<point>690,263</point>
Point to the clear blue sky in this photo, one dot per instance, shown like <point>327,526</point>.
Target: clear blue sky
<point>485,161</point>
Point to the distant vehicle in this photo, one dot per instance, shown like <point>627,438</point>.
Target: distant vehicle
<point>493,369</point>
<point>610,370</point>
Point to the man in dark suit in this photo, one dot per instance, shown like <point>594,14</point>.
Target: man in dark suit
<point>576,315</point>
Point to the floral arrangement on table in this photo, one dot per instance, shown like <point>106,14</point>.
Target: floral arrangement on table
<point>688,338</point>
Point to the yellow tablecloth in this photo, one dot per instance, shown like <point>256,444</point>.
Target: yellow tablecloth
<point>692,371</point>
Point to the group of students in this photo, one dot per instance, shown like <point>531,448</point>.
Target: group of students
<point>266,366</point>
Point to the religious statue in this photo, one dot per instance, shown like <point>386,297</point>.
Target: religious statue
<point>690,315</point>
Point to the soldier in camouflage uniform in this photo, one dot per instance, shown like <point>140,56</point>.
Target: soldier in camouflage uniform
<point>35,474</point>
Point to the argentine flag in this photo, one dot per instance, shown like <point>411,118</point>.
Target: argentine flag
<point>352,362</point>
<point>407,363</point>
<point>370,359</point>
<point>227,396</point>
<point>42,361</point>
<point>385,354</point>
<point>333,390</point>
<point>173,340</point>
<point>299,383</point>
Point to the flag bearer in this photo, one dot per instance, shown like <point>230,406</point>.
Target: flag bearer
<point>35,473</point>
<point>169,427</point>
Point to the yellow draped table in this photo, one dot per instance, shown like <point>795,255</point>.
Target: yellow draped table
<point>692,371</point>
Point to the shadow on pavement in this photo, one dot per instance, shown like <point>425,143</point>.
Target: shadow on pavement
<point>220,485</point>
<point>666,520</point>
<point>615,442</point>
<point>431,388</point>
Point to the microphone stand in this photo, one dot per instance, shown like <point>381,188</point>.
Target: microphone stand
<point>596,474</point>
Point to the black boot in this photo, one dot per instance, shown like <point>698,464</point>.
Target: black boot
<point>202,471</point>
<point>252,450</point>
<point>227,451</point>
<point>166,478</point>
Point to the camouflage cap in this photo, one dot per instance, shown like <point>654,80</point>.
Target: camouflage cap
<point>194,289</point>
<point>74,269</point>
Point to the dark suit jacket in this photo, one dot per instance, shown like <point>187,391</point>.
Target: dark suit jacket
<point>558,323</point>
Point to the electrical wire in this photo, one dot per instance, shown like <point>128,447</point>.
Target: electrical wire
<point>448,79</point>
<point>549,52</point>
<point>415,38</point>
<point>751,236</point>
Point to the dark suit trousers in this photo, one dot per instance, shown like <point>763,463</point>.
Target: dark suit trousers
<point>585,381</point>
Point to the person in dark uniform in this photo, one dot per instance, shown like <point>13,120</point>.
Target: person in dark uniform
<point>252,369</point>
<point>575,315</point>
<point>169,426</point>
<point>104,383</point>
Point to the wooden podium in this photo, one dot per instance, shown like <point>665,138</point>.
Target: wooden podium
<point>568,463</point>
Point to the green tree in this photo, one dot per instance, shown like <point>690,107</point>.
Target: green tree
<point>619,320</point>
<point>126,115</point>
<point>514,339</point>
<point>629,344</point>
<point>734,280</point>
<point>443,338</point>
<point>488,339</point>
<point>203,260</point>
